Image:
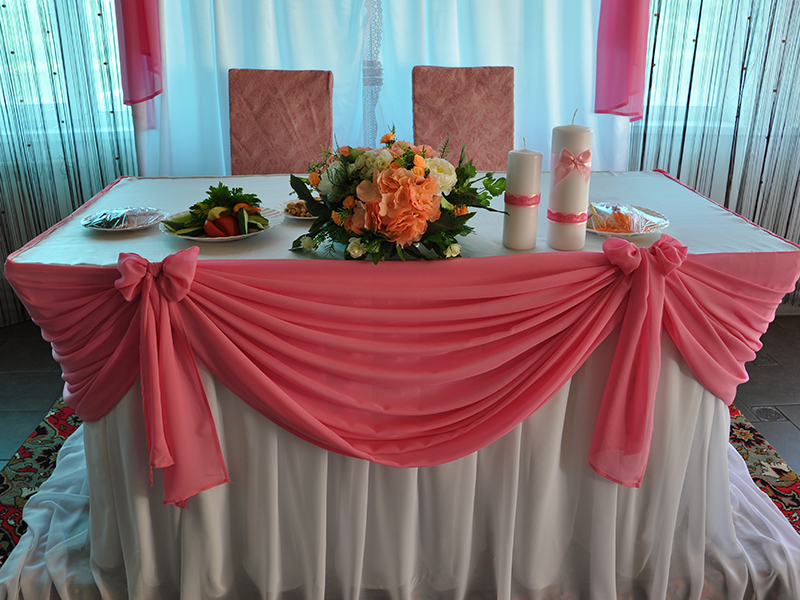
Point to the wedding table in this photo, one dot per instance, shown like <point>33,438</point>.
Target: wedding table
<point>268,423</point>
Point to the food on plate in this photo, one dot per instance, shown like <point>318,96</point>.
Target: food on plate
<point>623,218</point>
<point>226,212</point>
<point>298,209</point>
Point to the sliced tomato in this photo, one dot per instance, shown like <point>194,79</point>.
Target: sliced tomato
<point>212,230</point>
<point>251,210</point>
<point>227,225</point>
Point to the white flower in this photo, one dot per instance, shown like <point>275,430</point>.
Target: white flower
<point>452,250</point>
<point>307,242</point>
<point>371,160</point>
<point>444,172</point>
<point>330,176</point>
<point>355,248</point>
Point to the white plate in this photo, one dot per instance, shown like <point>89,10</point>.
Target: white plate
<point>620,234</point>
<point>275,218</point>
<point>282,207</point>
<point>134,218</point>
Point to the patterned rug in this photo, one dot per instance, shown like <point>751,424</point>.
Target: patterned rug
<point>28,469</point>
<point>35,460</point>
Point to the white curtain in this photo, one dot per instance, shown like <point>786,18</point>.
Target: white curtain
<point>371,47</point>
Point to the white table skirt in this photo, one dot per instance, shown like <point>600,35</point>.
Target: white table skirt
<point>524,517</point>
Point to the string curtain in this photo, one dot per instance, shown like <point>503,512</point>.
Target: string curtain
<point>64,131</point>
<point>722,106</point>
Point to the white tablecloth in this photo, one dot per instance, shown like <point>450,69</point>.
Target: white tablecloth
<point>524,517</point>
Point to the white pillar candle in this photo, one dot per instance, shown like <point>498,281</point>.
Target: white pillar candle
<point>570,168</point>
<point>523,179</point>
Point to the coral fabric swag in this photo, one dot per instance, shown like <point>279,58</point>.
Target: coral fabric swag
<point>405,364</point>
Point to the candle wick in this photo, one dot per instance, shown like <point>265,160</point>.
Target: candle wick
<point>573,116</point>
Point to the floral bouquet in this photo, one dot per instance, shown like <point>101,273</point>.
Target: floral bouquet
<point>397,200</point>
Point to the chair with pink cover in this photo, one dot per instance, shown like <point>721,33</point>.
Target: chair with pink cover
<point>473,105</point>
<point>280,120</point>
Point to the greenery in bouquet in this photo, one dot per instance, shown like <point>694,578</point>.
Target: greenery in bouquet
<point>397,200</point>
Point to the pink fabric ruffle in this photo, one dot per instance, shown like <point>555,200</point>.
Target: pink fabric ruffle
<point>405,364</point>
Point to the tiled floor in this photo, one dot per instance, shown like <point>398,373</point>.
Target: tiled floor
<point>30,382</point>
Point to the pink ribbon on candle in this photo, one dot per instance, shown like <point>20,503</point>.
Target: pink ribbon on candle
<point>520,200</point>
<point>569,218</point>
<point>566,163</point>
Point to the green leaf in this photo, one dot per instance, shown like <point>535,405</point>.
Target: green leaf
<point>299,186</point>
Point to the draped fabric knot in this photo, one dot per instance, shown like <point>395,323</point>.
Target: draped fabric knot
<point>173,277</point>
<point>621,441</point>
<point>668,253</point>
<point>180,428</point>
<point>566,162</point>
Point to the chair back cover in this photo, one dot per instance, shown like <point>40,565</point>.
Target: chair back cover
<point>473,105</point>
<point>280,120</point>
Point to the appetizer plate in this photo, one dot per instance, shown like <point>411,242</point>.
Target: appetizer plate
<point>275,218</point>
<point>662,223</point>
<point>284,205</point>
<point>124,219</point>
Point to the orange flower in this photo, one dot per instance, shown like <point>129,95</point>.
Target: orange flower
<point>349,202</point>
<point>418,171</point>
<point>387,137</point>
<point>460,209</point>
<point>343,150</point>
<point>336,218</point>
<point>419,161</point>
<point>313,178</point>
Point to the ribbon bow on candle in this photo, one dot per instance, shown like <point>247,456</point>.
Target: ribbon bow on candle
<point>567,162</point>
<point>181,435</point>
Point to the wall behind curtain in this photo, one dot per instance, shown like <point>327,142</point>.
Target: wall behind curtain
<point>551,45</point>
<point>64,131</point>
<point>722,106</point>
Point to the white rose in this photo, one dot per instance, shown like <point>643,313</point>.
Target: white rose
<point>331,174</point>
<point>307,242</point>
<point>355,248</point>
<point>444,172</point>
<point>452,250</point>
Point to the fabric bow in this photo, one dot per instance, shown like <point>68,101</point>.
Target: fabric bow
<point>621,441</point>
<point>180,428</point>
<point>567,162</point>
<point>173,277</point>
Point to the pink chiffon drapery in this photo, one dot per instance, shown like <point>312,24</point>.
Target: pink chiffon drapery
<point>139,35</point>
<point>404,364</point>
<point>622,57</point>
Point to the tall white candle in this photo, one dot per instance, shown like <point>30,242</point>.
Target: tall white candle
<point>570,169</point>
<point>523,182</point>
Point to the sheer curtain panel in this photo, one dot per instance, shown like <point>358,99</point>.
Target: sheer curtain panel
<point>371,47</point>
<point>64,131</point>
<point>722,106</point>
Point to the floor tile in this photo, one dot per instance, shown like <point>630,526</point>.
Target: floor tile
<point>790,324</point>
<point>27,330</point>
<point>748,414</point>
<point>769,385</point>
<point>15,427</point>
<point>29,391</point>
<point>792,412</point>
<point>26,355</point>
<point>785,438</point>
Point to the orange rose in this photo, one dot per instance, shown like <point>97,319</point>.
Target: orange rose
<point>313,178</point>
<point>344,150</point>
<point>387,137</point>
<point>418,171</point>
<point>349,202</point>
